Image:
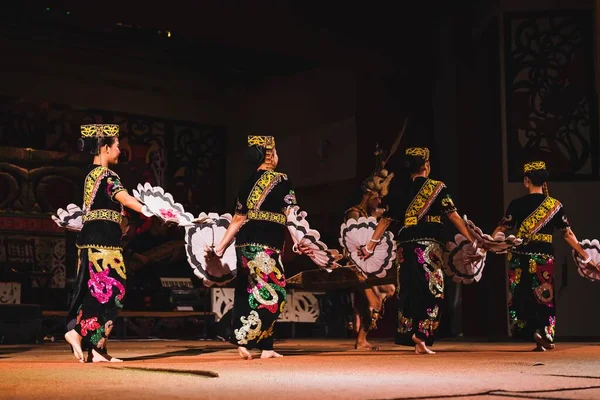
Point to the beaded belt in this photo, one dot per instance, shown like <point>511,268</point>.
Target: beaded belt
<point>102,214</point>
<point>267,216</point>
<point>411,221</point>
<point>541,237</point>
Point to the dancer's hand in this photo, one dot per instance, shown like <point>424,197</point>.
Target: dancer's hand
<point>365,252</point>
<point>305,250</point>
<point>211,253</point>
<point>478,256</point>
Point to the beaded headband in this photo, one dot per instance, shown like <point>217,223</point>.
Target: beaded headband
<point>534,166</point>
<point>422,152</point>
<point>268,142</point>
<point>99,130</point>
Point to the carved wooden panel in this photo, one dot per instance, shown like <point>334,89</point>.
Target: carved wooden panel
<point>551,111</point>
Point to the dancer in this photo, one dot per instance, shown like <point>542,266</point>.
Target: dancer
<point>259,226</point>
<point>419,206</point>
<point>369,302</point>
<point>101,277</point>
<point>531,302</point>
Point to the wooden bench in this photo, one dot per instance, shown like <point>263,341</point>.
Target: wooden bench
<point>124,320</point>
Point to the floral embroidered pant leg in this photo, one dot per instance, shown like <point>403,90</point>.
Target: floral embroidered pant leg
<point>421,291</point>
<point>260,297</point>
<point>531,301</point>
<point>105,277</point>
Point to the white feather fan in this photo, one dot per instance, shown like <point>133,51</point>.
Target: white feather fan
<point>355,234</point>
<point>159,203</point>
<point>207,231</point>
<point>592,248</point>
<point>71,218</point>
<point>303,235</point>
<point>499,244</point>
<point>458,265</point>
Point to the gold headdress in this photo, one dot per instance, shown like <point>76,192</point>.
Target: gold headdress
<point>534,166</point>
<point>422,152</point>
<point>268,142</point>
<point>379,180</point>
<point>537,166</point>
<point>99,130</point>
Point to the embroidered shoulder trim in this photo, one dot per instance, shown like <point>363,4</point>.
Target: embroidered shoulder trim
<point>91,184</point>
<point>539,218</point>
<point>422,201</point>
<point>262,188</point>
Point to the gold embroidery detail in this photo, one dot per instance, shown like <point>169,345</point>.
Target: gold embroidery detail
<point>534,166</point>
<point>91,180</point>
<point>263,265</point>
<point>268,333</point>
<point>99,130</point>
<point>418,152</point>
<point>103,214</point>
<point>98,246</point>
<point>257,245</point>
<point>267,216</point>
<point>539,218</point>
<point>268,142</point>
<point>262,188</point>
<point>110,259</point>
<point>422,201</point>
<point>447,202</point>
<point>247,333</point>
<point>532,266</point>
<point>434,219</point>
<point>541,237</point>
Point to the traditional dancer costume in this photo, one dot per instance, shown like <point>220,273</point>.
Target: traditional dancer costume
<point>260,294</point>
<point>359,222</point>
<point>101,278</point>
<point>531,300</point>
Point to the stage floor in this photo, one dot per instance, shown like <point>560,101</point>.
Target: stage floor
<point>310,369</point>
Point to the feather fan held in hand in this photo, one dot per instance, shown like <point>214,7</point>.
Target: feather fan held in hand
<point>71,218</point>
<point>458,266</point>
<point>355,234</point>
<point>499,244</point>
<point>159,203</point>
<point>303,235</point>
<point>208,231</point>
<point>592,248</point>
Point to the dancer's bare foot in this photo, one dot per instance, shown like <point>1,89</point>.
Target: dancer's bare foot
<point>74,340</point>
<point>420,346</point>
<point>97,357</point>
<point>244,353</point>
<point>543,343</point>
<point>539,348</point>
<point>270,354</point>
<point>365,346</point>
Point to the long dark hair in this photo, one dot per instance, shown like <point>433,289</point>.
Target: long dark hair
<point>255,155</point>
<point>93,144</point>
<point>539,177</point>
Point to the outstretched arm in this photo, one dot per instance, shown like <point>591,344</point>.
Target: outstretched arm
<point>380,229</point>
<point>572,241</point>
<point>234,226</point>
<point>460,225</point>
<point>128,201</point>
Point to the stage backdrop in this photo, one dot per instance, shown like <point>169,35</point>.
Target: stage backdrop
<point>551,111</point>
<point>41,170</point>
<point>320,155</point>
